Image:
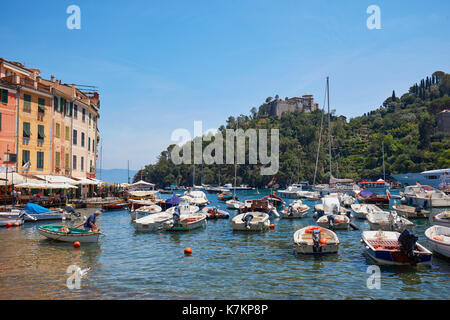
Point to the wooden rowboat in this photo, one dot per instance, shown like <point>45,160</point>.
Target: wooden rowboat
<point>54,231</point>
<point>115,206</point>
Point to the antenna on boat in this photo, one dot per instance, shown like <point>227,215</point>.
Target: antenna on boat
<point>329,123</point>
<point>384,171</point>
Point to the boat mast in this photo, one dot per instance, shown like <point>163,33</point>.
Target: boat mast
<point>384,171</point>
<point>320,138</point>
<point>329,123</point>
<point>235,156</point>
<point>128,171</point>
<point>298,171</point>
<point>193,175</point>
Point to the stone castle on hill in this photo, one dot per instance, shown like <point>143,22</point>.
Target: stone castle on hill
<point>303,104</point>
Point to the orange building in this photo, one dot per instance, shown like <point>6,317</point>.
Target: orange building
<point>8,111</point>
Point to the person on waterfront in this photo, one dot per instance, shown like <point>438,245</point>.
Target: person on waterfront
<point>19,194</point>
<point>90,224</point>
<point>13,196</point>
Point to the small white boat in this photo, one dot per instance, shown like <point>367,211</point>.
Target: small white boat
<point>360,211</point>
<point>330,205</point>
<point>390,247</point>
<point>185,208</point>
<point>315,240</point>
<point>152,222</point>
<point>411,212</point>
<point>196,198</point>
<point>62,233</point>
<point>144,211</point>
<point>426,196</point>
<point>295,210</point>
<point>334,222</point>
<point>11,221</point>
<point>388,221</point>
<point>442,219</point>
<point>234,204</point>
<point>185,222</point>
<point>251,221</point>
<point>438,239</point>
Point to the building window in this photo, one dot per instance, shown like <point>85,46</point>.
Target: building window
<point>74,162</point>
<point>91,168</point>
<point>0,122</point>
<point>83,117</point>
<point>93,145</point>
<point>67,133</point>
<point>26,130</point>
<point>40,132</point>
<point>66,165</point>
<point>89,144</point>
<point>75,111</point>
<point>57,160</point>
<point>74,137</point>
<point>41,105</point>
<point>4,96</point>
<point>57,130</point>
<point>55,103</point>
<point>90,118</point>
<point>82,139</point>
<point>61,105</point>
<point>69,107</point>
<point>82,164</point>
<point>40,160</point>
<point>25,156</point>
<point>26,103</point>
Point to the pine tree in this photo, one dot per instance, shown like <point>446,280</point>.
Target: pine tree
<point>393,95</point>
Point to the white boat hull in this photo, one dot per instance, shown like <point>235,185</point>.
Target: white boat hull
<point>304,244</point>
<point>438,239</point>
<point>260,222</point>
<point>71,238</point>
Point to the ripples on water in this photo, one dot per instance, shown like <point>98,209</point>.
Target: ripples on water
<point>225,264</point>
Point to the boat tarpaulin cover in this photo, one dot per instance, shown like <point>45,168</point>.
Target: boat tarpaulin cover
<point>366,193</point>
<point>175,199</point>
<point>32,208</point>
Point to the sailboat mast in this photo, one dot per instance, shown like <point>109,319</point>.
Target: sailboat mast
<point>193,175</point>
<point>329,122</point>
<point>384,171</point>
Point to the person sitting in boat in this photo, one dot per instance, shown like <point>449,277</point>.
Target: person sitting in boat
<point>90,224</point>
<point>290,210</point>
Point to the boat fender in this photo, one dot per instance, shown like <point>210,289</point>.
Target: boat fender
<point>438,238</point>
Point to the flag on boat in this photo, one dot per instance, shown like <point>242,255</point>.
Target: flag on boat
<point>389,196</point>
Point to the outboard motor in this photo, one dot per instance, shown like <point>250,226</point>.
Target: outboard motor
<point>24,214</point>
<point>71,210</point>
<point>246,219</point>
<point>407,241</point>
<point>418,209</point>
<point>331,220</point>
<point>316,240</point>
<point>290,210</point>
<point>176,216</point>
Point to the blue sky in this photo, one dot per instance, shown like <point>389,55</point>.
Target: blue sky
<point>160,65</point>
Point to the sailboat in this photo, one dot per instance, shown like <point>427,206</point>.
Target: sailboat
<point>234,202</point>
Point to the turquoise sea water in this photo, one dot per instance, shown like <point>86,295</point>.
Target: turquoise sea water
<point>224,265</point>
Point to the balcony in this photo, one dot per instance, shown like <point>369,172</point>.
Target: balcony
<point>26,140</point>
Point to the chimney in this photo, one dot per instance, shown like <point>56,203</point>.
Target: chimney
<point>52,78</point>
<point>74,92</point>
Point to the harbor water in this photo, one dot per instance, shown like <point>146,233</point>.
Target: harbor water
<point>225,264</point>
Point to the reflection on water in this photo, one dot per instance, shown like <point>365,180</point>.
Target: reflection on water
<point>224,264</point>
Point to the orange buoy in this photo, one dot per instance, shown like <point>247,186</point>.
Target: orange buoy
<point>9,225</point>
<point>187,251</point>
<point>76,244</point>
<point>16,223</point>
<point>272,226</point>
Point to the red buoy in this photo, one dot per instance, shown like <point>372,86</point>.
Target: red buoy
<point>9,225</point>
<point>272,226</point>
<point>187,251</point>
<point>76,244</point>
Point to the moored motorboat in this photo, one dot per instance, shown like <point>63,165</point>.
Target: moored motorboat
<point>295,210</point>
<point>152,222</point>
<point>115,206</point>
<point>315,240</point>
<point>388,221</point>
<point>197,198</point>
<point>215,213</point>
<point>274,199</point>
<point>259,205</point>
<point>224,196</point>
<point>438,239</point>
<point>143,211</point>
<point>63,233</point>
<point>40,213</point>
<point>234,204</point>
<point>390,247</point>
<point>411,212</point>
<point>442,219</point>
<point>185,222</point>
<point>251,221</point>
<point>360,210</point>
<point>334,222</point>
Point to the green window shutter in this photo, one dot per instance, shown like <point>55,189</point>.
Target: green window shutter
<point>55,103</point>
<point>89,144</point>
<point>57,159</point>
<point>27,102</point>
<point>67,161</point>
<point>93,144</point>
<point>25,156</point>
<point>40,131</point>
<point>26,130</point>
<point>41,105</point>
<point>71,109</point>
<point>57,130</point>
<point>4,96</point>
<point>40,160</point>
<point>61,102</point>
